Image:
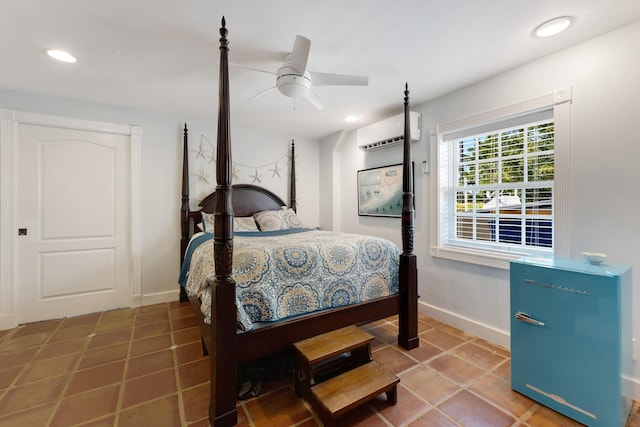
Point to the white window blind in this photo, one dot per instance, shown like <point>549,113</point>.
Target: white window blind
<point>503,188</point>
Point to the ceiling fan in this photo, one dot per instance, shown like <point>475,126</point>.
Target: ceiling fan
<point>295,81</point>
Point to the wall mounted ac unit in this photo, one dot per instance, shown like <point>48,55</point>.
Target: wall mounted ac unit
<point>388,132</point>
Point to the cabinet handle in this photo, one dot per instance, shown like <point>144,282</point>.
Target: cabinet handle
<point>520,315</point>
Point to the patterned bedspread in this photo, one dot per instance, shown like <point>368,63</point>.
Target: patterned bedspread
<point>287,273</point>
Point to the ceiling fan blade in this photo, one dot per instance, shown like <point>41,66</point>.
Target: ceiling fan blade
<point>263,93</point>
<point>327,79</point>
<point>300,54</point>
<point>314,98</point>
<point>252,69</point>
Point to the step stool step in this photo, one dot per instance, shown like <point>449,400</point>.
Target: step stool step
<point>326,346</point>
<point>329,354</point>
<point>340,394</point>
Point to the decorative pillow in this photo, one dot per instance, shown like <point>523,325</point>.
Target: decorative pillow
<point>207,222</point>
<point>283,219</point>
<point>246,223</point>
<point>291,218</point>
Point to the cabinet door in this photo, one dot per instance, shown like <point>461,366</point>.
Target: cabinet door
<point>567,356</point>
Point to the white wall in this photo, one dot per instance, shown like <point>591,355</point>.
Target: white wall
<point>331,180</point>
<point>605,149</point>
<point>162,172</point>
<point>256,151</point>
<point>345,166</point>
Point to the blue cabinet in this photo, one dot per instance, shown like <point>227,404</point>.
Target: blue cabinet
<point>571,337</point>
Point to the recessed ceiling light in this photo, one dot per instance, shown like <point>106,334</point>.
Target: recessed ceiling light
<point>553,26</point>
<point>350,119</point>
<point>61,55</point>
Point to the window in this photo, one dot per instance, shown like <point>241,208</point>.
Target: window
<point>497,183</point>
<point>504,188</point>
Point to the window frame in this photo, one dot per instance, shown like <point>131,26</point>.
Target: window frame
<point>559,102</point>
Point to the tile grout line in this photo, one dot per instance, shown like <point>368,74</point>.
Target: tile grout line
<point>75,369</point>
<point>6,338</point>
<point>119,408</point>
<point>176,372</point>
<point>125,370</point>
<point>312,414</point>
<point>417,363</point>
<point>430,406</point>
<point>485,399</point>
<point>460,387</point>
<point>490,402</point>
<point>379,415</point>
<point>517,419</point>
<point>433,406</point>
<point>528,413</point>
<point>247,414</point>
<point>13,384</point>
<point>465,386</point>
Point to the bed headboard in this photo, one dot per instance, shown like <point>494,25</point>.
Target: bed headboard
<point>246,199</point>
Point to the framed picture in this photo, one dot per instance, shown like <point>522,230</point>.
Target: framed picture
<point>380,191</point>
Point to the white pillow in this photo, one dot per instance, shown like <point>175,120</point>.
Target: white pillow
<point>207,222</point>
<point>275,220</point>
<point>246,223</point>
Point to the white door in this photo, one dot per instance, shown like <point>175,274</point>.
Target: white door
<point>73,217</point>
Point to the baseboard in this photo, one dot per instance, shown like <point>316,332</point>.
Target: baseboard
<point>8,321</point>
<point>481,330</point>
<point>160,297</point>
<point>634,386</point>
<point>136,301</point>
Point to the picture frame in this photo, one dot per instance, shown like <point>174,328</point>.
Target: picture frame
<point>380,191</point>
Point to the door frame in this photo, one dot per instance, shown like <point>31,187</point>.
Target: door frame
<point>9,128</point>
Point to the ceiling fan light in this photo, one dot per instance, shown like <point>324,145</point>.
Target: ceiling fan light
<point>553,26</point>
<point>294,86</point>
<point>61,55</point>
<point>293,90</point>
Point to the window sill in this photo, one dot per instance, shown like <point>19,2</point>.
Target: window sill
<point>475,256</point>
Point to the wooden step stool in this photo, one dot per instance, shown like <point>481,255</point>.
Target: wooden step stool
<point>345,355</point>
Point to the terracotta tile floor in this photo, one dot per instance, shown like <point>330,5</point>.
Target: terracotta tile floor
<point>144,367</point>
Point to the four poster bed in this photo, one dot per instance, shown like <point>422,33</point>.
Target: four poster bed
<point>228,340</point>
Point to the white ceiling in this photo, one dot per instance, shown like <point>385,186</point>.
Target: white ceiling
<point>162,55</point>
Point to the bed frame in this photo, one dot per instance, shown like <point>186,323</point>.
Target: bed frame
<point>226,348</point>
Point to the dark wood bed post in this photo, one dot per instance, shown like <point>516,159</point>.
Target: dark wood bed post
<point>222,349</point>
<point>184,209</point>
<point>408,317</point>
<point>292,182</point>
